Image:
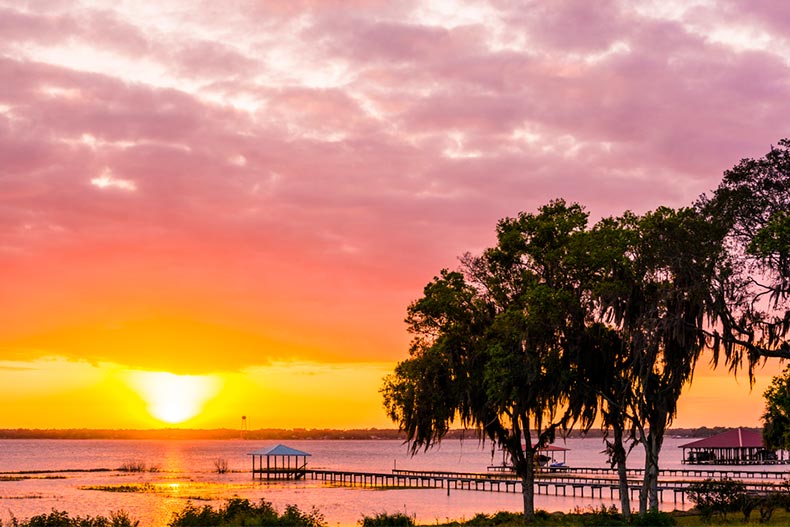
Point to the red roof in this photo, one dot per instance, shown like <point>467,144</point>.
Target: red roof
<point>738,438</point>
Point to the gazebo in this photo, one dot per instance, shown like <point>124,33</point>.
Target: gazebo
<point>282,462</point>
<point>546,456</point>
<point>734,447</point>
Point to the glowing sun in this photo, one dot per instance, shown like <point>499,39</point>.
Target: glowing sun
<point>174,398</point>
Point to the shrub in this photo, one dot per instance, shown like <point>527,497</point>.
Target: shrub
<point>717,496</point>
<point>766,503</point>
<point>220,465</point>
<point>62,519</point>
<point>383,519</point>
<point>238,511</point>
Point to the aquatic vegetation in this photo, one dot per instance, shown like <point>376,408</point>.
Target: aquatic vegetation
<point>137,465</point>
<point>133,466</point>
<point>133,487</point>
<point>24,497</point>
<point>24,477</point>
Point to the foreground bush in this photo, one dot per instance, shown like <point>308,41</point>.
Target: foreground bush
<point>238,511</point>
<point>62,519</point>
<point>653,519</point>
<point>387,520</point>
<point>717,496</point>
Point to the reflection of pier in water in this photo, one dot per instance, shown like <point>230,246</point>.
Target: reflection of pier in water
<point>576,482</point>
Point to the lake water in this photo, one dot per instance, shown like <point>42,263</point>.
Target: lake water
<point>186,472</point>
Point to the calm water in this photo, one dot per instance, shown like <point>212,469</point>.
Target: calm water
<point>186,472</point>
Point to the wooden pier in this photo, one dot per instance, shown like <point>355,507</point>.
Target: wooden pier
<point>574,482</point>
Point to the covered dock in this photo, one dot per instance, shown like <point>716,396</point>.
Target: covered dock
<point>282,462</point>
<point>546,457</point>
<point>740,446</point>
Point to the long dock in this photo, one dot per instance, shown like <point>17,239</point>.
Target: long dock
<point>573,482</point>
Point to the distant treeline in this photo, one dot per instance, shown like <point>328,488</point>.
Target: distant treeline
<point>278,433</point>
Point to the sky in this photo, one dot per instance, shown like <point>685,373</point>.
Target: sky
<point>216,209</point>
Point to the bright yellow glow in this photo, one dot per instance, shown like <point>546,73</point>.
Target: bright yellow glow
<point>174,398</point>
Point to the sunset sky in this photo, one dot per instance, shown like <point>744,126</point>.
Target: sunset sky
<point>215,209</point>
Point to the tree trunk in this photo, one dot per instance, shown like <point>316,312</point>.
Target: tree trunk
<point>619,457</point>
<point>648,494</point>
<point>528,487</point>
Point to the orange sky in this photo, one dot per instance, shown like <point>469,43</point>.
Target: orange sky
<point>248,197</point>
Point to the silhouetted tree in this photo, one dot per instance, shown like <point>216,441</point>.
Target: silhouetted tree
<point>661,309</point>
<point>496,346</point>
<point>752,204</point>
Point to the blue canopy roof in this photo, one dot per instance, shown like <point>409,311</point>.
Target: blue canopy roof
<point>278,450</point>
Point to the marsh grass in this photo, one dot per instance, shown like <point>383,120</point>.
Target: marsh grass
<point>22,478</point>
<point>54,471</point>
<point>137,465</point>
<point>134,487</point>
<point>134,465</point>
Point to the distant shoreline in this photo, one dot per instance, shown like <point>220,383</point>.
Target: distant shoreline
<point>280,433</point>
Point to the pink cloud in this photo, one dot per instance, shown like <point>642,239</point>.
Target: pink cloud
<point>304,164</point>
<point>571,25</point>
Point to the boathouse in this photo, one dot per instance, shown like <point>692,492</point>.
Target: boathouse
<point>282,462</point>
<point>734,447</point>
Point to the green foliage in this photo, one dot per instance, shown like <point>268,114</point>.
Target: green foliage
<point>384,519</point>
<point>717,496</point>
<point>776,418</point>
<point>238,511</point>
<point>62,519</point>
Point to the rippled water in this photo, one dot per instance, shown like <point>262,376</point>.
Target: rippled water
<point>187,472</point>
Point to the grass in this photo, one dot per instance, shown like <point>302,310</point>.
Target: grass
<point>238,511</point>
